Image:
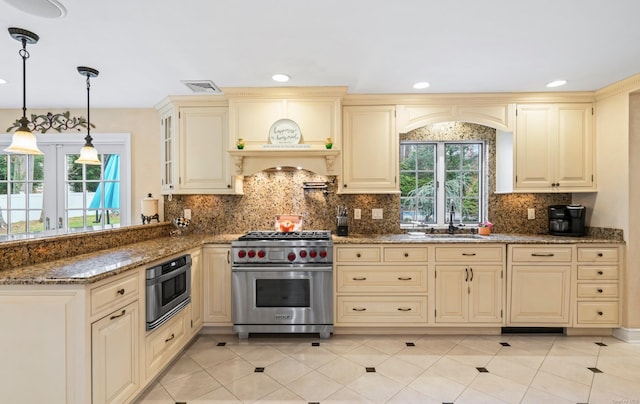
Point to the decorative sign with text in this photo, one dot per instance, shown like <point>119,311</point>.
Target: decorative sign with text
<point>285,132</point>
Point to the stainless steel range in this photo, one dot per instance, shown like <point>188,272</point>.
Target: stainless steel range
<point>282,283</point>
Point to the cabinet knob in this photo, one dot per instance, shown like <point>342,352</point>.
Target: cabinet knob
<point>600,254</point>
<point>121,291</point>
<point>358,255</point>
<point>600,273</point>
<point>345,185</point>
<point>599,290</point>
<point>600,313</point>
<point>229,186</point>
<point>406,255</point>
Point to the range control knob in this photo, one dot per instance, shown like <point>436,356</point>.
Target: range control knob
<point>242,253</point>
<point>323,254</point>
<point>251,253</point>
<point>261,254</point>
<point>303,254</point>
<point>291,256</point>
<point>313,253</point>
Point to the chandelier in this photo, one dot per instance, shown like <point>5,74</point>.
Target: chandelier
<point>23,140</point>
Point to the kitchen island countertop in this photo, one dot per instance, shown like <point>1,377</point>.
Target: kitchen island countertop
<point>93,267</point>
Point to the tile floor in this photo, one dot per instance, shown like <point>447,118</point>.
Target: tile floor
<point>402,369</point>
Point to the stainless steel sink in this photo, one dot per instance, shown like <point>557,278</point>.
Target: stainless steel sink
<point>443,236</point>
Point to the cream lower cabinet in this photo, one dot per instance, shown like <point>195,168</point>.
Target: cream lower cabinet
<point>115,355</point>
<point>216,265</point>
<point>164,343</point>
<point>597,293</point>
<point>382,286</point>
<point>469,285</point>
<point>196,308</point>
<point>540,285</point>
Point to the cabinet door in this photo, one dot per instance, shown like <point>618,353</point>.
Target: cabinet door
<point>197,304</point>
<point>217,285</point>
<point>574,162</point>
<point>114,354</point>
<point>540,294</point>
<point>452,294</point>
<point>485,297</point>
<point>204,161</point>
<point>535,134</point>
<point>370,146</point>
<point>168,149</point>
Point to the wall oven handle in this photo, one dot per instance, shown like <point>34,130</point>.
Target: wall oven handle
<point>286,268</point>
<point>117,315</point>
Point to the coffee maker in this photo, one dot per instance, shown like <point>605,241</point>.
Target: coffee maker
<point>566,220</point>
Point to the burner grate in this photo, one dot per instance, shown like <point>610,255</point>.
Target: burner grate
<point>296,235</point>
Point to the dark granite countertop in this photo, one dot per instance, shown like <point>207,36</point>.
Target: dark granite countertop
<point>92,267</point>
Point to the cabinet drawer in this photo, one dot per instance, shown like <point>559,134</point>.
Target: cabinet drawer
<point>470,254</point>
<point>358,254</point>
<point>381,279</point>
<point>597,272</point>
<point>405,254</point>
<point>107,298</point>
<point>597,290</point>
<point>162,343</point>
<point>598,313</point>
<point>541,254</point>
<point>595,254</point>
<point>382,310</point>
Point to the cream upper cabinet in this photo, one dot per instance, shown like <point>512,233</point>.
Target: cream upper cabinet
<point>194,148</point>
<point>554,148</point>
<point>540,285</point>
<point>216,265</point>
<point>251,119</point>
<point>370,150</point>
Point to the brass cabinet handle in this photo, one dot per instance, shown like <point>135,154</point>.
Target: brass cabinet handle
<point>542,254</point>
<point>404,278</point>
<point>471,278</point>
<point>228,256</point>
<point>361,278</point>
<point>117,315</point>
<point>404,308</point>
<point>120,291</point>
<point>406,255</point>
<point>466,277</point>
<point>599,290</point>
<point>469,254</point>
<point>170,338</point>
<point>359,309</point>
<point>600,313</point>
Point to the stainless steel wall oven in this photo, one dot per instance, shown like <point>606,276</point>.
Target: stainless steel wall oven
<point>168,289</point>
<point>282,282</point>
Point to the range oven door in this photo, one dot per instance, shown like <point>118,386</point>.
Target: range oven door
<point>276,296</point>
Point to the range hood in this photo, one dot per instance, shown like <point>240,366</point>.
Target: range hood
<point>319,161</point>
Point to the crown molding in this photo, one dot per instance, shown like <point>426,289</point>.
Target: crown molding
<point>628,85</point>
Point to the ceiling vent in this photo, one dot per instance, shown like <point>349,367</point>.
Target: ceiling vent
<point>203,86</point>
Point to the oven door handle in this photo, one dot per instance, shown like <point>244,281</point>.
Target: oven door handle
<point>271,268</point>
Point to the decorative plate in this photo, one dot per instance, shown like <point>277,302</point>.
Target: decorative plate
<point>285,132</point>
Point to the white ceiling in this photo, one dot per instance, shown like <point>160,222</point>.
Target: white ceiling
<point>144,48</point>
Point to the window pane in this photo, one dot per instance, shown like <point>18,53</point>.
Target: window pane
<point>407,157</point>
<point>452,156</point>
<point>426,157</point>
<point>4,169</point>
<point>471,154</point>
<point>417,182</point>
<point>462,181</point>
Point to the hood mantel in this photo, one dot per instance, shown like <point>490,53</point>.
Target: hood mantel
<point>319,161</point>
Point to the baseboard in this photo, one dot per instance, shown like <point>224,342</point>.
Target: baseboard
<point>631,335</point>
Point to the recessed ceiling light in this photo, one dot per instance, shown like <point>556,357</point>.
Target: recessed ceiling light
<point>557,83</point>
<point>3,81</point>
<point>420,85</point>
<point>280,77</point>
<point>40,8</point>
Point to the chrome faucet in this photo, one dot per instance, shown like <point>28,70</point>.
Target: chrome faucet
<point>452,229</point>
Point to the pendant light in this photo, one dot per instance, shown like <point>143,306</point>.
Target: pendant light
<point>23,140</point>
<point>88,153</point>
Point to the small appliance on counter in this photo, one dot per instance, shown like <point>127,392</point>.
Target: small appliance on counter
<point>566,220</point>
<point>342,222</point>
